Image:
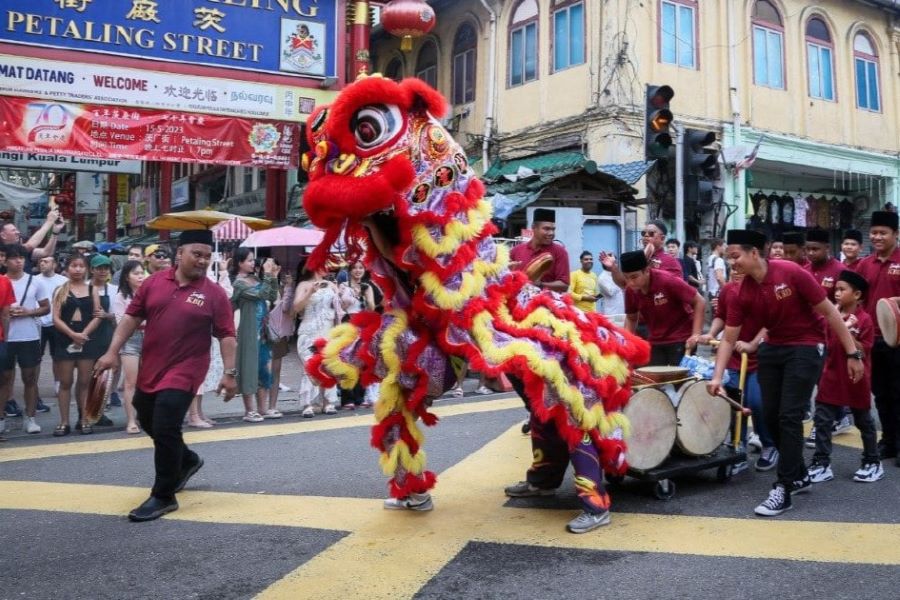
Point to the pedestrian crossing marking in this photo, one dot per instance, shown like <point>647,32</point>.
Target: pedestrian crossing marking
<point>227,434</point>
<point>394,554</point>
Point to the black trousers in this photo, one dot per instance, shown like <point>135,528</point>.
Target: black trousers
<point>886,388</point>
<point>160,415</point>
<point>662,355</point>
<point>827,414</point>
<point>787,376</point>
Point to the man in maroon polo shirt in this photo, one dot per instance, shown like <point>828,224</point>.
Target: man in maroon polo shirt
<point>653,238</point>
<point>543,227</point>
<point>788,302</point>
<point>672,310</point>
<point>182,309</point>
<point>881,270</point>
<point>824,268</point>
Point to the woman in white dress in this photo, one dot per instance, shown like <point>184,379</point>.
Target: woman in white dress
<point>317,300</point>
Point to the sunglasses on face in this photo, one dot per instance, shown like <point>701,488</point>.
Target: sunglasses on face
<point>160,255</point>
<point>648,233</point>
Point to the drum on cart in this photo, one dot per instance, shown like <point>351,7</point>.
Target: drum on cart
<point>703,420</point>
<point>653,428</point>
<point>888,313</point>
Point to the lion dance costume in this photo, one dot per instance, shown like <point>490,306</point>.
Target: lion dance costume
<point>384,172</point>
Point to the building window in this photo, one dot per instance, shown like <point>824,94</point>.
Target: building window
<point>865,61</point>
<point>568,35</point>
<point>523,65</point>
<point>768,45</point>
<point>394,69</point>
<point>464,64</point>
<point>677,36</point>
<point>819,52</point>
<point>426,64</point>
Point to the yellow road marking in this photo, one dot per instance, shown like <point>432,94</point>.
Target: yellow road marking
<point>239,433</point>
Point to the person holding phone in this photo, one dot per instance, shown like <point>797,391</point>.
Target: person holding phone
<point>251,296</point>
<point>318,301</point>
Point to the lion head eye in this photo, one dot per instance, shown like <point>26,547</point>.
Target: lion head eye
<point>375,125</point>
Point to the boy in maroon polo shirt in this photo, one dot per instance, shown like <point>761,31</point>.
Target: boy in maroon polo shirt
<point>851,246</point>
<point>881,270</point>
<point>794,245</point>
<point>822,266</point>
<point>837,392</point>
<point>789,302</point>
<point>672,310</point>
<point>183,310</point>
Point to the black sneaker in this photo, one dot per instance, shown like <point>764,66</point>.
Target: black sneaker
<point>801,486</point>
<point>12,409</point>
<point>777,502</point>
<point>104,421</point>
<point>41,407</point>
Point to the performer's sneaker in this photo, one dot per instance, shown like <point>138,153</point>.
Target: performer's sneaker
<point>419,502</point>
<point>801,486</point>
<point>777,502</point>
<point>810,441</point>
<point>588,521</point>
<point>153,508</point>
<point>819,472</point>
<point>768,458</point>
<point>754,443</point>
<point>523,489</point>
<point>869,473</point>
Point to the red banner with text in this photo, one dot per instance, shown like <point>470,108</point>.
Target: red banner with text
<point>139,134</point>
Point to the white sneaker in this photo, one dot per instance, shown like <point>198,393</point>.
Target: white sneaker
<point>417,502</point>
<point>330,410</point>
<point>308,413</point>
<point>484,390</point>
<point>283,388</point>
<point>30,425</point>
<point>273,414</point>
<point>754,442</point>
<point>253,417</point>
<point>820,473</point>
<point>869,473</point>
<point>588,521</point>
<point>844,425</point>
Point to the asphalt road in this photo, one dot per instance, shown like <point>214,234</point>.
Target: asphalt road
<point>292,509</point>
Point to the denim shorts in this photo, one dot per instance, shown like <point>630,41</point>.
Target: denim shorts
<point>133,345</point>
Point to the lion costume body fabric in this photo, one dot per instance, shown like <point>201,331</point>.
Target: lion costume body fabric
<point>385,172</point>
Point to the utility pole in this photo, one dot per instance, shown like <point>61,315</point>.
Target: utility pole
<point>679,182</point>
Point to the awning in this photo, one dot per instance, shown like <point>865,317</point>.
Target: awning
<point>517,183</point>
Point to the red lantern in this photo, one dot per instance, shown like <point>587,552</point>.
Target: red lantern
<point>408,19</point>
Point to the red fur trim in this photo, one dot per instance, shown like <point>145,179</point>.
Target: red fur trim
<point>413,484</point>
<point>433,101</point>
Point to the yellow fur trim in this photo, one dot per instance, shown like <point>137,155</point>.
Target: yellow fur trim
<point>455,233</point>
<point>550,371</point>
<point>473,283</point>
<point>339,338</point>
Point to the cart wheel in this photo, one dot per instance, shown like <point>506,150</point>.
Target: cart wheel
<point>614,479</point>
<point>664,489</point>
<point>724,473</point>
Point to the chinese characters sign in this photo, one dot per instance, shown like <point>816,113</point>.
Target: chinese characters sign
<point>114,133</point>
<point>100,84</point>
<point>298,37</point>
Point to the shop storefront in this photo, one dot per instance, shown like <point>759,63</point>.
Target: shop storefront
<point>206,99</point>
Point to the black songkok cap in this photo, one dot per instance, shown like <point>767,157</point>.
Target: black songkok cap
<point>818,235</point>
<point>544,215</point>
<point>633,261</point>
<point>856,281</point>
<point>853,234</point>
<point>196,236</point>
<point>746,237</point>
<point>794,237</point>
<point>884,218</point>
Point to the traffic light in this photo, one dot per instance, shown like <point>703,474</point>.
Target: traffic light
<point>699,159</point>
<point>658,119</point>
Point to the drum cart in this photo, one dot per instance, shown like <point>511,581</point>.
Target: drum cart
<point>678,464</point>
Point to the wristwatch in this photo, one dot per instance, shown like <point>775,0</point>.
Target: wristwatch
<point>858,355</point>
<point>232,372</point>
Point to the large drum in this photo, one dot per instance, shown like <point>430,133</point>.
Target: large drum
<point>653,426</point>
<point>888,314</point>
<point>703,420</point>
